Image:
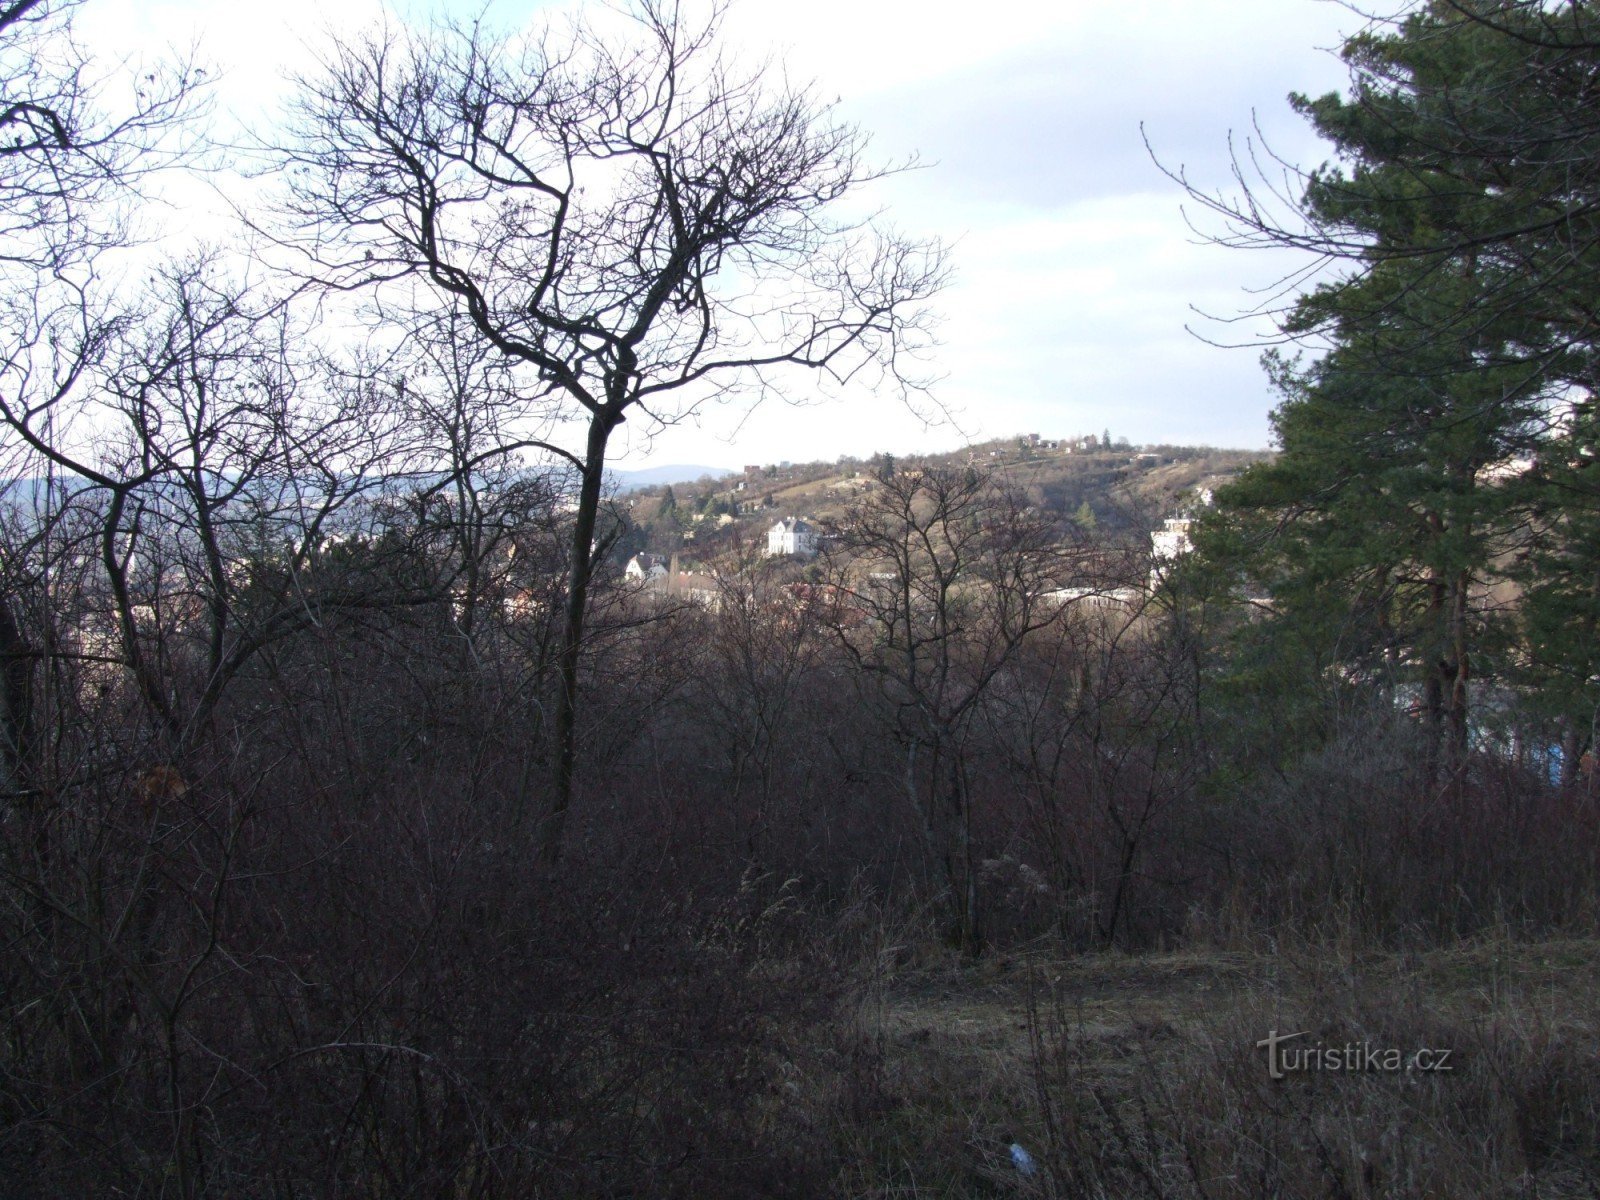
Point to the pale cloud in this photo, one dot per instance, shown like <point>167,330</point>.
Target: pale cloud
<point>1077,275</point>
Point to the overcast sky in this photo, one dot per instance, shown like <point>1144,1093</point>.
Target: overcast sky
<point>1076,274</point>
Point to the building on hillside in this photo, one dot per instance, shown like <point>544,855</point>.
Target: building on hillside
<point>1172,539</point>
<point>1097,599</point>
<point>648,567</point>
<point>673,587</point>
<point>691,586</point>
<point>792,538</point>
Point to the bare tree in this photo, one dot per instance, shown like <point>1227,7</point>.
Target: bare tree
<point>205,443</point>
<point>938,577</point>
<point>765,644</point>
<point>633,224</point>
<point>74,139</point>
<point>457,396</point>
<point>77,142</point>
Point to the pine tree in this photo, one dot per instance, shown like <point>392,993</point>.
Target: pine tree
<point>1379,530</point>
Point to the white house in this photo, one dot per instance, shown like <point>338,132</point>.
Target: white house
<point>1172,539</point>
<point>792,538</point>
<point>1102,599</point>
<point>648,567</point>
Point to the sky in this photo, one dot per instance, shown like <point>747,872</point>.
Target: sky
<point>1081,301</point>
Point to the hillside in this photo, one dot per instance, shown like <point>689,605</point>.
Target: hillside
<point>1122,491</point>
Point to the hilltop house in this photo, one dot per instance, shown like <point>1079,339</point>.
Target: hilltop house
<point>792,538</point>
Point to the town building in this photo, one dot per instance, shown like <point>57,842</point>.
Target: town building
<point>648,567</point>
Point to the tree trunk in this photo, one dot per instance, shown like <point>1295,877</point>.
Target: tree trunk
<point>1459,731</point>
<point>1433,686</point>
<point>960,877</point>
<point>16,694</point>
<point>581,572</point>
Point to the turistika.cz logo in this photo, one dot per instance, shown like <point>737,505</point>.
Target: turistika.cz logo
<point>1285,1059</point>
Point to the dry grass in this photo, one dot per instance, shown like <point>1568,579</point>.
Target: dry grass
<point>1140,1076</point>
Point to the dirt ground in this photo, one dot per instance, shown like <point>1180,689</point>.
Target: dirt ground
<point>1143,1059</point>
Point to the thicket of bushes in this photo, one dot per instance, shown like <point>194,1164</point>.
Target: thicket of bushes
<point>318,953</point>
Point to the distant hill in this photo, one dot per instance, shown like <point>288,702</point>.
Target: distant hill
<point>1128,488</point>
<point>1122,493</point>
<point>670,473</point>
